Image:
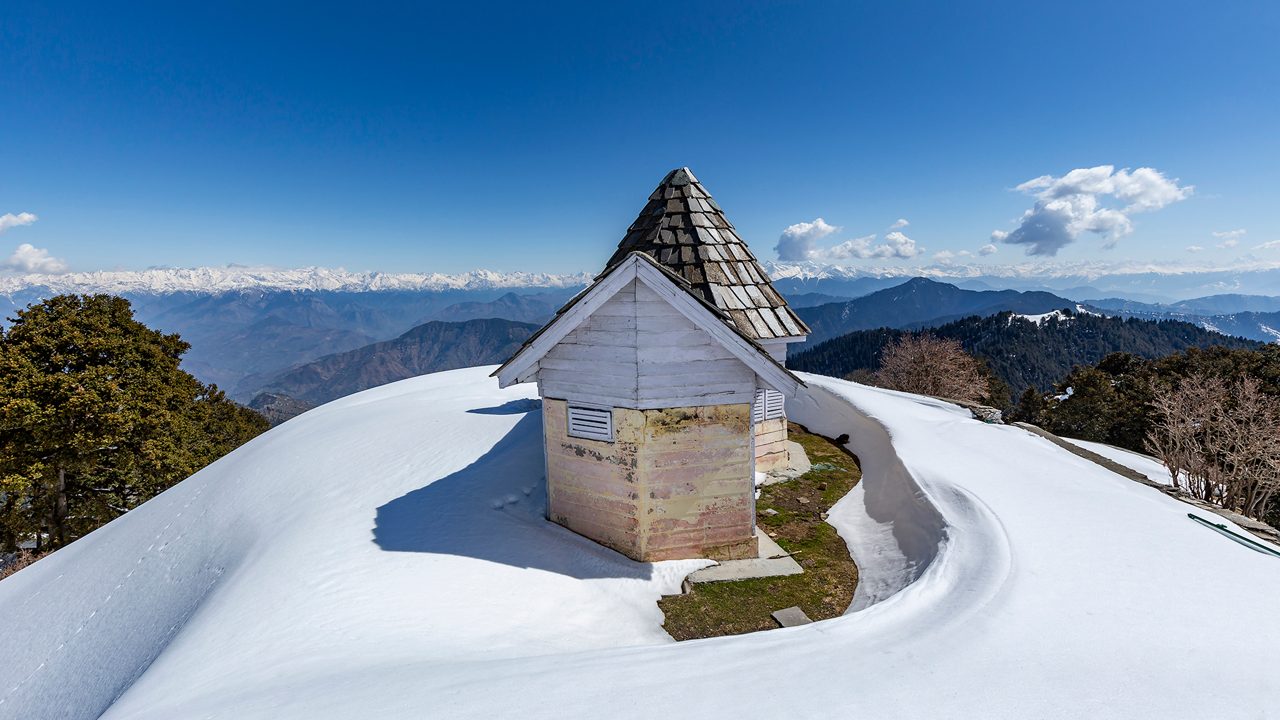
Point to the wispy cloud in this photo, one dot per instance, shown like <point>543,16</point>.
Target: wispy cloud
<point>9,220</point>
<point>988,249</point>
<point>1229,238</point>
<point>899,224</point>
<point>30,259</point>
<point>1194,248</point>
<point>1069,206</point>
<point>947,256</point>
<point>1272,245</point>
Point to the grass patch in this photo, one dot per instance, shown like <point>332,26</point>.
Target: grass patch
<point>823,591</point>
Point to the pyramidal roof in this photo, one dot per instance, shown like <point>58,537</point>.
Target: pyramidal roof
<point>684,229</point>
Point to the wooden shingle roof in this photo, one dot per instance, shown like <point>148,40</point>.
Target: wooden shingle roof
<point>683,229</point>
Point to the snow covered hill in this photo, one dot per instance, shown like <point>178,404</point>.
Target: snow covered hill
<point>385,556</point>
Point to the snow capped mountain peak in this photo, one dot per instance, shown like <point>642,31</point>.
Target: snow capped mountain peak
<point>234,278</point>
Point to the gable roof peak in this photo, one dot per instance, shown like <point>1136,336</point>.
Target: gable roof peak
<point>639,266</point>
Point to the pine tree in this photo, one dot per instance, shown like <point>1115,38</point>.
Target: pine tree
<point>96,417</point>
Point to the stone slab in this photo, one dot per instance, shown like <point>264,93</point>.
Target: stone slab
<point>791,617</point>
<point>797,464</point>
<point>773,562</point>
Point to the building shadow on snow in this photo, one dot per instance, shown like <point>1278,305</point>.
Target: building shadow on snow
<point>495,510</point>
<point>510,407</point>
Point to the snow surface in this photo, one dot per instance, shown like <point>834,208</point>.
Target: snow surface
<point>384,556</point>
<point>1039,319</point>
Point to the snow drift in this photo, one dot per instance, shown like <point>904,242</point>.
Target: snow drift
<point>385,556</point>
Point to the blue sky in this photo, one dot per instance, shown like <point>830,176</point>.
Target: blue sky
<point>527,136</point>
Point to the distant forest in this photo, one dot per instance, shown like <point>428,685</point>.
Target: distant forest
<point>1020,352</point>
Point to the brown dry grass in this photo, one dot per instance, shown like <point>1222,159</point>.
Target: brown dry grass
<point>20,560</point>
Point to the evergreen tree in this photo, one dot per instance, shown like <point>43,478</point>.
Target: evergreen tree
<point>96,417</point>
<point>1030,407</point>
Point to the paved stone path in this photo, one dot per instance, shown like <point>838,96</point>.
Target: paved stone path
<point>773,561</point>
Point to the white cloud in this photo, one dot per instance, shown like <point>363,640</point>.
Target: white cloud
<point>897,245</point>
<point>1273,245</point>
<point>855,248</point>
<point>1194,248</point>
<point>799,241</point>
<point>988,249</point>
<point>900,246</point>
<point>1071,205</point>
<point>30,259</point>
<point>899,224</point>
<point>9,220</point>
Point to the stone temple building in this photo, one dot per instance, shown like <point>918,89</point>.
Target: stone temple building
<point>663,386</point>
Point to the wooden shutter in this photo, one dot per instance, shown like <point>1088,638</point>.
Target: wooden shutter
<point>768,405</point>
<point>773,404</point>
<point>591,423</point>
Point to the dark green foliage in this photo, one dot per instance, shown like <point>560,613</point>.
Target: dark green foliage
<point>1108,403</point>
<point>1029,409</point>
<point>1111,402</point>
<point>1020,352</point>
<point>96,417</point>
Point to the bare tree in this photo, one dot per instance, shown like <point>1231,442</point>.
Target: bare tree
<point>1249,447</point>
<point>930,365</point>
<point>1181,433</point>
<point>1221,443</point>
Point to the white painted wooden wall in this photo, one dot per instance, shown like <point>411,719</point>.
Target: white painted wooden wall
<point>637,351</point>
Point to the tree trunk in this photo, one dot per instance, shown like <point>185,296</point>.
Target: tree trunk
<point>60,509</point>
<point>8,537</point>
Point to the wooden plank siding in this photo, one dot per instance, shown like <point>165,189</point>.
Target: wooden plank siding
<point>637,351</point>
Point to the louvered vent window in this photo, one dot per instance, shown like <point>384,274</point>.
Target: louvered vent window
<point>591,423</point>
<point>768,406</point>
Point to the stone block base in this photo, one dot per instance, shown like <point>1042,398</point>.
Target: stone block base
<point>771,445</point>
<point>675,483</point>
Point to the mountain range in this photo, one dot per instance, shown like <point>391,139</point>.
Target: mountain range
<point>248,327</point>
<point>431,347</point>
<point>1024,351</point>
<point>1144,281</point>
<point>1253,316</point>
<point>918,302</point>
<point>314,279</point>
